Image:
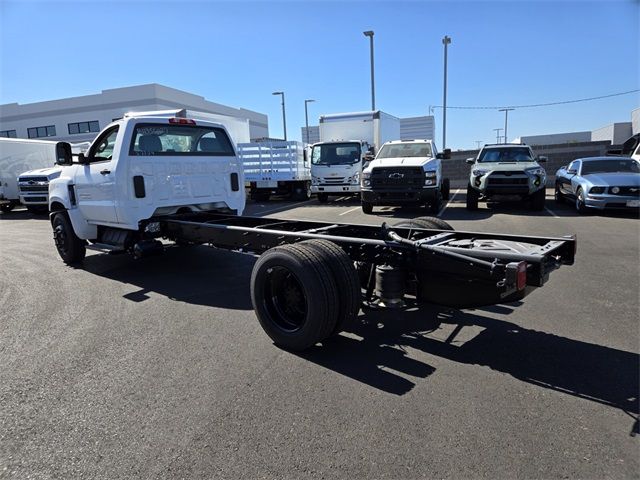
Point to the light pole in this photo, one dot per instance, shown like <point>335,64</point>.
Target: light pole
<point>369,33</point>
<point>506,115</point>
<point>497,130</point>
<point>306,116</point>
<point>284,117</point>
<point>446,40</point>
<point>478,143</point>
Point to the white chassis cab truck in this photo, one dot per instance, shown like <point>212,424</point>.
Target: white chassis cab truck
<point>147,178</point>
<point>276,168</point>
<point>405,172</point>
<point>139,167</point>
<point>347,141</point>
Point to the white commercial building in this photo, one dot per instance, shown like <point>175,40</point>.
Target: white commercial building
<point>79,119</point>
<point>616,133</point>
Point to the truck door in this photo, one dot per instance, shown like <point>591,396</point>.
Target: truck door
<point>95,180</point>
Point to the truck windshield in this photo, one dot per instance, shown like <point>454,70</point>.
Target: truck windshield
<point>610,166</point>
<point>179,140</point>
<point>507,154</point>
<point>399,150</point>
<point>336,154</point>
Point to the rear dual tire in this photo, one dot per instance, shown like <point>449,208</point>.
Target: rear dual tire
<point>304,293</point>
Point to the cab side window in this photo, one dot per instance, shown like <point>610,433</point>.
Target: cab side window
<point>102,149</point>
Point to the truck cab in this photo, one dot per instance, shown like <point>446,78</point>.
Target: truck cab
<point>140,167</point>
<point>405,172</point>
<point>336,167</point>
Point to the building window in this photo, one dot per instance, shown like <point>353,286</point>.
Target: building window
<point>8,134</point>
<point>84,127</point>
<point>37,132</point>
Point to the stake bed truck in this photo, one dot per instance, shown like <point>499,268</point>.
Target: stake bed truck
<point>149,178</point>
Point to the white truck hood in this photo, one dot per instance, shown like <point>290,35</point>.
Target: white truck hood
<point>403,161</point>
<point>43,172</point>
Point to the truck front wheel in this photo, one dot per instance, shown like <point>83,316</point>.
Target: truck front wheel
<point>323,197</point>
<point>446,189</point>
<point>367,207</point>
<point>537,199</point>
<point>302,191</point>
<point>436,203</point>
<point>71,249</point>
<point>472,198</point>
<point>6,207</point>
<point>294,296</point>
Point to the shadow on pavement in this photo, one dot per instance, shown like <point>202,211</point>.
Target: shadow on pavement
<point>197,275</point>
<point>592,372</point>
<point>23,215</point>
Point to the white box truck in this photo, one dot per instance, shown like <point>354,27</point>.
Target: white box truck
<point>276,168</point>
<point>347,141</point>
<point>19,155</point>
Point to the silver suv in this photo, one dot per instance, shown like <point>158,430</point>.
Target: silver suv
<point>506,170</point>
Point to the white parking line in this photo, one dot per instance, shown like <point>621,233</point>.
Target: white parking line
<point>349,211</point>
<point>283,207</point>
<point>448,202</point>
<point>551,212</point>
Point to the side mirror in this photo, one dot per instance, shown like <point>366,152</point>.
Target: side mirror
<point>444,155</point>
<point>542,159</point>
<point>63,153</point>
<point>304,156</point>
<point>82,160</point>
<point>470,161</point>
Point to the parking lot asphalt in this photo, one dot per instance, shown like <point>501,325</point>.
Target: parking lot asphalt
<point>159,369</point>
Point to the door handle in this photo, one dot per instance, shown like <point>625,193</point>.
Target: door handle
<point>105,172</point>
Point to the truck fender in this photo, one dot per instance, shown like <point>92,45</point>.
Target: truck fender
<point>59,200</point>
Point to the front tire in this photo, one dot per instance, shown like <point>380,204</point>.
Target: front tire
<point>323,197</point>
<point>302,191</point>
<point>472,198</point>
<point>537,199</point>
<point>367,207</point>
<point>558,195</point>
<point>71,249</point>
<point>6,207</point>
<point>581,207</point>
<point>446,189</point>
<point>436,204</point>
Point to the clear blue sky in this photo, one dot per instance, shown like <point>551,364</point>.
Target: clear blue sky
<point>237,53</point>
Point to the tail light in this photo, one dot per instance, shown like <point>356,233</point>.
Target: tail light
<point>521,277</point>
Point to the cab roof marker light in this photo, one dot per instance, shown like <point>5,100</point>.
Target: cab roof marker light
<point>182,121</point>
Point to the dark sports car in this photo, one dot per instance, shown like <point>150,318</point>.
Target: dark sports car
<point>600,183</point>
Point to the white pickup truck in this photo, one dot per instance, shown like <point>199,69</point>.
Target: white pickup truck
<point>405,172</point>
<point>142,166</point>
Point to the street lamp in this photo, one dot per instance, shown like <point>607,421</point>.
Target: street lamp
<point>369,33</point>
<point>506,114</point>
<point>446,40</point>
<point>284,117</point>
<point>306,116</point>
<point>497,130</point>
